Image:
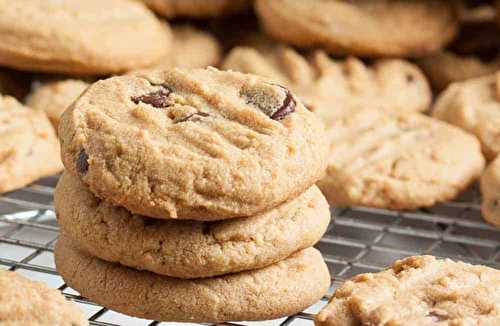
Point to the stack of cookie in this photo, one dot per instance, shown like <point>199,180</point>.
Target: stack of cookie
<point>189,196</point>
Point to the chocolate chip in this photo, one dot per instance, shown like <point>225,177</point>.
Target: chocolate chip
<point>286,108</point>
<point>193,117</point>
<point>82,162</point>
<point>436,318</point>
<point>157,99</point>
<point>410,78</point>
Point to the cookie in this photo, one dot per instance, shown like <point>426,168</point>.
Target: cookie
<point>275,291</point>
<point>55,96</point>
<point>362,28</point>
<point>192,144</point>
<point>197,8</point>
<point>188,249</point>
<point>490,190</point>
<point>474,105</point>
<point>46,35</point>
<point>24,302</point>
<point>326,85</point>
<point>191,48</point>
<point>475,53</point>
<point>29,148</point>
<point>397,161</point>
<point>414,291</point>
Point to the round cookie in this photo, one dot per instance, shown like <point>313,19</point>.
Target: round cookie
<point>397,161</point>
<point>326,85</point>
<point>475,53</point>
<point>363,28</point>
<point>474,105</point>
<point>25,302</point>
<point>197,8</point>
<point>90,37</point>
<point>54,97</point>
<point>188,249</point>
<point>29,148</point>
<point>191,48</point>
<point>192,144</point>
<point>417,291</point>
<point>490,190</point>
<point>282,289</point>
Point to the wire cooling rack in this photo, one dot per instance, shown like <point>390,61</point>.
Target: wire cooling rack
<point>359,240</point>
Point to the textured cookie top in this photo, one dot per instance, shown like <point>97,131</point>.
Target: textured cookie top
<point>55,97</point>
<point>474,105</point>
<point>197,8</point>
<point>28,145</point>
<point>80,37</point>
<point>400,161</point>
<point>417,291</point>
<point>279,290</point>
<point>199,144</point>
<point>188,249</point>
<point>327,85</point>
<point>365,28</point>
<point>27,303</point>
<point>490,189</point>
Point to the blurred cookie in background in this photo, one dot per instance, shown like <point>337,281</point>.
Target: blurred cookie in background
<point>89,37</point>
<point>197,8</point>
<point>331,87</point>
<point>474,105</point>
<point>54,97</point>
<point>363,28</point>
<point>490,190</point>
<point>29,148</point>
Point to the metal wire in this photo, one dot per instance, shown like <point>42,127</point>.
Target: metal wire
<point>359,240</point>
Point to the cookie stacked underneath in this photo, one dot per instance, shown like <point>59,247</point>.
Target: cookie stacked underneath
<point>189,196</point>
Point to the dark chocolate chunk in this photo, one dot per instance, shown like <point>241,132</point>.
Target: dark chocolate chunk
<point>157,99</point>
<point>82,162</point>
<point>286,108</point>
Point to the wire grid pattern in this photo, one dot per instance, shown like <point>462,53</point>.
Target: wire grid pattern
<point>358,240</point>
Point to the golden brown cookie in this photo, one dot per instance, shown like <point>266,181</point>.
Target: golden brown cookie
<point>490,189</point>
<point>275,291</point>
<point>415,291</point>
<point>90,37</point>
<point>27,303</point>
<point>367,28</point>
<point>197,8</point>
<point>55,96</point>
<point>188,249</point>
<point>329,86</point>
<point>397,161</point>
<point>193,144</point>
<point>29,148</point>
<point>474,105</point>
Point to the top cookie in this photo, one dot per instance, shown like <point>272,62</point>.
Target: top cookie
<point>197,8</point>
<point>80,37</point>
<point>474,105</point>
<point>417,291</point>
<point>369,28</point>
<point>194,144</point>
<point>24,302</point>
<point>327,85</point>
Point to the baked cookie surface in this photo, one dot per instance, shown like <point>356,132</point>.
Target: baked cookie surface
<point>192,144</point>
<point>416,291</point>
<point>278,290</point>
<point>46,35</point>
<point>326,85</point>
<point>55,96</point>
<point>27,303</point>
<point>474,105</point>
<point>29,148</point>
<point>490,190</point>
<point>188,249</point>
<point>364,28</point>
<point>197,8</point>
<point>397,161</point>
